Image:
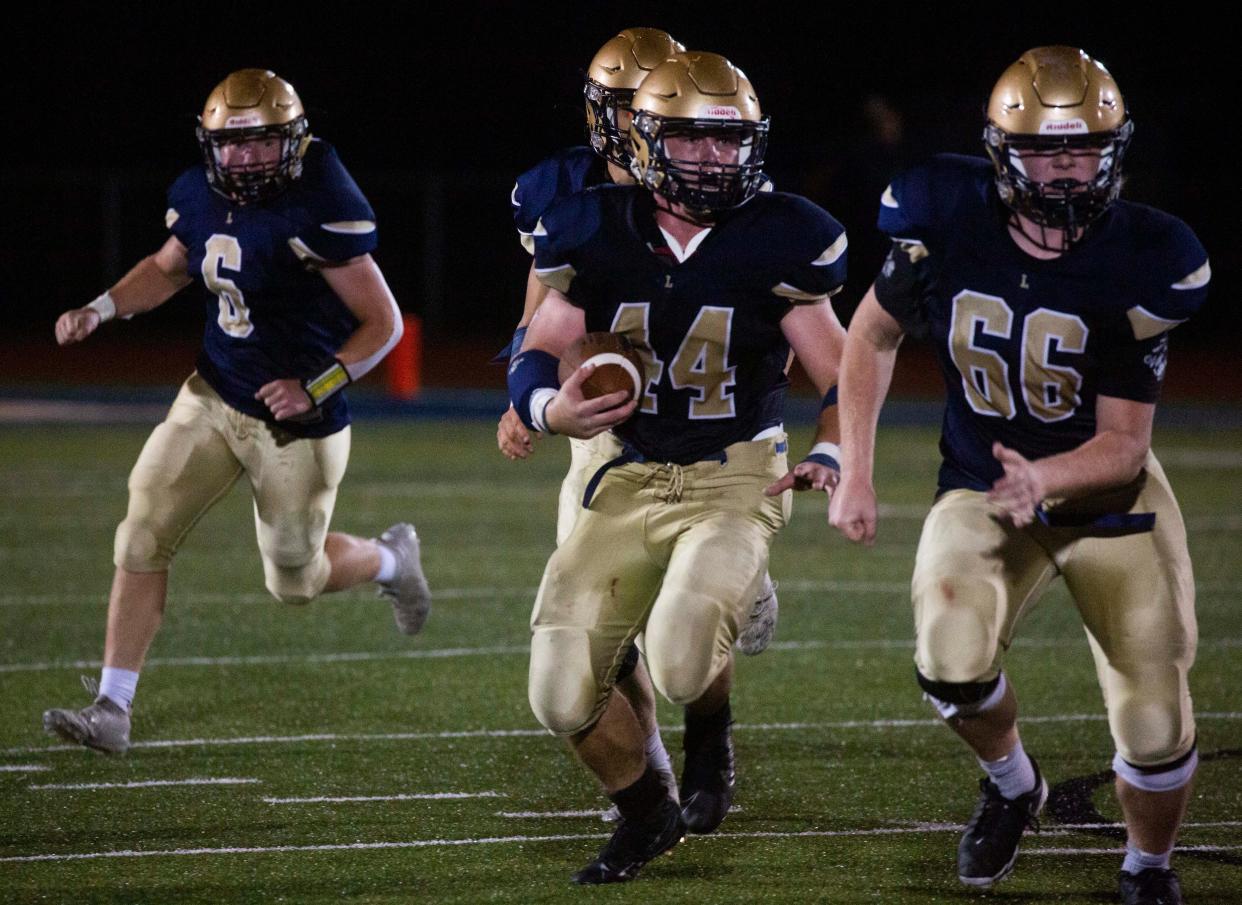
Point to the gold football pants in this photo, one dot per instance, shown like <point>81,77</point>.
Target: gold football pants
<point>192,459</point>
<point>676,552</point>
<point>976,576</point>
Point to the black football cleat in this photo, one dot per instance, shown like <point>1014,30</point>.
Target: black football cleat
<point>707,782</point>
<point>989,847</point>
<point>633,844</point>
<point>1154,886</point>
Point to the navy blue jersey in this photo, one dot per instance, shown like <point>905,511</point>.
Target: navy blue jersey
<point>1025,345</point>
<point>710,327</point>
<point>270,313</point>
<point>566,172</point>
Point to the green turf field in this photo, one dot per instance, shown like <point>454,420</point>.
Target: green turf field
<point>848,791</point>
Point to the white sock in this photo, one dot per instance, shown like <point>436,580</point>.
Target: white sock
<point>657,754</point>
<point>119,685</point>
<point>1137,860</point>
<point>388,564</point>
<point>1014,774</point>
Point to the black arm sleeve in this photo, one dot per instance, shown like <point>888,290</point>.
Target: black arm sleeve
<point>902,285</point>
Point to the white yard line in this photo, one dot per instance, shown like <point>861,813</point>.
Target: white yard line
<point>1121,849</point>
<point>798,586</point>
<point>272,659</point>
<point>23,768</point>
<point>562,837</point>
<point>153,783</point>
<point>524,815</point>
<point>442,653</point>
<point>541,733</point>
<point>412,796</point>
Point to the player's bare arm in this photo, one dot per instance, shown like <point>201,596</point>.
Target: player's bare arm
<point>558,323</point>
<point>1111,458</point>
<point>151,282</point>
<point>866,372</point>
<point>361,286</point>
<point>817,340</point>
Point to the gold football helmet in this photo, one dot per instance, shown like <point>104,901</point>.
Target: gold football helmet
<point>249,105</point>
<point>612,78</point>
<point>698,96</point>
<point>1055,101</point>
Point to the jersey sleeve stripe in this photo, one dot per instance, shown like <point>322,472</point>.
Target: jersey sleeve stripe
<point>794,294</point>
<point>302,250</point>
<point>349,227</point>
<point>1146,325</point>
<point>170,217</point>
<point>1197,279</point>
<point>832,253</point>
<point>888,199</point>
<point>559,278</point>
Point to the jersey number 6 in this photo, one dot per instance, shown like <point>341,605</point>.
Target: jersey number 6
<point>225,252</point>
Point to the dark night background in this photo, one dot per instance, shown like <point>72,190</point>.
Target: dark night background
<point>435,119</point>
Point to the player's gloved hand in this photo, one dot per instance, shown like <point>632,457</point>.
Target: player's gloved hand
<point>574,415</point>
<point>514,440</point>
<point>853,511</point>
<point>284,398</point>
<point>1021,490</point>
<point>75,325</point>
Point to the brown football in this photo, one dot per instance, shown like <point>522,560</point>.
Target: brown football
<point>618,366</point>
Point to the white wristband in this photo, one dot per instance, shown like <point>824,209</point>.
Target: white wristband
<point>539,401</point>
<point>104,307</point>
<point>826,449</point>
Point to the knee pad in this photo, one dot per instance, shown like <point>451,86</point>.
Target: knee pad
<point>297,585</point>
<point>137,549</point>
<point>561,687</point>
<point>629,664</point>
<point>1163,778</point>
<point>962,699</point>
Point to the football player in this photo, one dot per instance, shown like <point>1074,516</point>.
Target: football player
<point>611,80</point>
<point>613,76</point>
<point>715,282</point>
<point>1049,302</point>
<point>297,309</point>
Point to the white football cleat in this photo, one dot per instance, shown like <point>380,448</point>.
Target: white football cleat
<point>408,590</point>
<point>103,725</point>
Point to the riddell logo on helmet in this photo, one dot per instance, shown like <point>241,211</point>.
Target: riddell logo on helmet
<point>719,111</point>
<point>1063,127</point>
<point>244,121</point>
